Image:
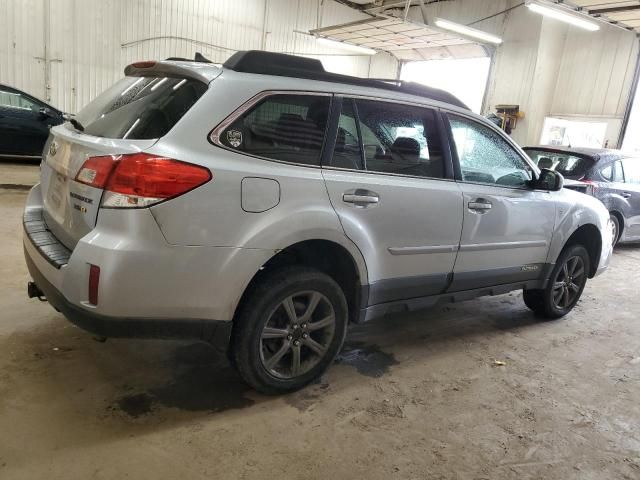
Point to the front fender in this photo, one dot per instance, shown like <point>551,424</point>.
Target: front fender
<point>574,210</point>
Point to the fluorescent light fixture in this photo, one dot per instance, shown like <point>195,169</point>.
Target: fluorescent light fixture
<point>562,14</point>
<point>345,46</point>
<point>467,31</point>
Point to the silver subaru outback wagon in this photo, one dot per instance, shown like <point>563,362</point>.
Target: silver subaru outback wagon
<point>266,203</point>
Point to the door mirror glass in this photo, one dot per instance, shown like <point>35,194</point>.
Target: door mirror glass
<point>549,180</point>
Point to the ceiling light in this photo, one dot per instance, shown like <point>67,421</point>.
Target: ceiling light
<point>345,46</point>
<point>574,18</point>
<point>467,31</point>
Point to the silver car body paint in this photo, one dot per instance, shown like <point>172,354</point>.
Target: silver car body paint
<point>193,256</point>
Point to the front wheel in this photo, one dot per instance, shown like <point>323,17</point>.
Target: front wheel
<point>289,329</point>
<point>566,283</point>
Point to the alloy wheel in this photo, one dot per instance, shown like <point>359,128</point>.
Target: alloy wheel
<point>297,334</point>
<point>569,282</point>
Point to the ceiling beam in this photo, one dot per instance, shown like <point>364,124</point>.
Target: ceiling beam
<point>604,11</point>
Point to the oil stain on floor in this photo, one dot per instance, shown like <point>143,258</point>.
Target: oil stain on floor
<point>367,359</point>
<point>204,382</point>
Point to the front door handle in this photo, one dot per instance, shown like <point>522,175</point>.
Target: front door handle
<point>480,204</point>
<point>361,197</point>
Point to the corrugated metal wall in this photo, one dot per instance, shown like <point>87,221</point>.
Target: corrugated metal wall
<point>596,73</point>
<point>91,41</point>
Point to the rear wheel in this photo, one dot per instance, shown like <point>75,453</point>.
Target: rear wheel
<point>289,330</point>
<point>565,286</point>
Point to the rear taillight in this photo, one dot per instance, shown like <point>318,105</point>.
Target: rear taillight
<point>140,179</point>
<point>96,170</point>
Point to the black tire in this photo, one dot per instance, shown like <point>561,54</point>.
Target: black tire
<point>266,311</point>
<point>565,285</point>
<point>616,226</point>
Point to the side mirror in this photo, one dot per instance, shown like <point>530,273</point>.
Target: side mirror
<point>549,180</point>
<point>44,113</point>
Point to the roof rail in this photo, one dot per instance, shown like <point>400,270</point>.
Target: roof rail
<point>283,65</point>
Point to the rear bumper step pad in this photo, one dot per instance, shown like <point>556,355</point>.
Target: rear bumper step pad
<point>44,241</point>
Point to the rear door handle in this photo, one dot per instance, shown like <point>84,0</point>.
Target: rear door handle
<point>361,197</point>
<point>626,194</point>
<point>480,204</point>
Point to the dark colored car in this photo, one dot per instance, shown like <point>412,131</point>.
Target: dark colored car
<point>24,123</point>
<point>611,176</point>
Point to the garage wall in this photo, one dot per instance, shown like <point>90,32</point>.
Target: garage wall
<point>596,73</point>
<point>91,41</point>
<point>550,68</point>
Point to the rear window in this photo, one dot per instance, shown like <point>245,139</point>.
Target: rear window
<point>140,107</point>
<point>570,166</point>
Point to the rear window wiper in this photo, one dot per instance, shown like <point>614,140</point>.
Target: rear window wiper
<point>77,125</point>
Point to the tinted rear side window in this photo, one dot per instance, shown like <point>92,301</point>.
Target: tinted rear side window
<point>140,107</point>
<point>400,139</point>
<point>290,128</point>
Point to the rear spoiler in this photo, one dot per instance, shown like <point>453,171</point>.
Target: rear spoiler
<point>203,71</point>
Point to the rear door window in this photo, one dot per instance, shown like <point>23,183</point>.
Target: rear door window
<point>288,128</point>
<point>400,139</point>
<point>140,107</point>
<point>348,150</point>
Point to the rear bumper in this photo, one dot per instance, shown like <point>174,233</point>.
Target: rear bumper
<point>147,287</point>
<point>213,331</point>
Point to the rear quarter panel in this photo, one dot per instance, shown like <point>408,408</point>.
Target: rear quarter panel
<point>213,215</point>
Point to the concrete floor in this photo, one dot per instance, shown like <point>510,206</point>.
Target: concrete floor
<point>412,397</point>
<point>19,174</point>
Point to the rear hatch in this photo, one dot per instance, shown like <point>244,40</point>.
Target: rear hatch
<point>128,118</point>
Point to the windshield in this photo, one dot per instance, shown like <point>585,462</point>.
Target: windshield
<point>570,166</point>
<point>140,107</point>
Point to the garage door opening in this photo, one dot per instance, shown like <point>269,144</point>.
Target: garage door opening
<point>466,78</point>
<point>631,141</point>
